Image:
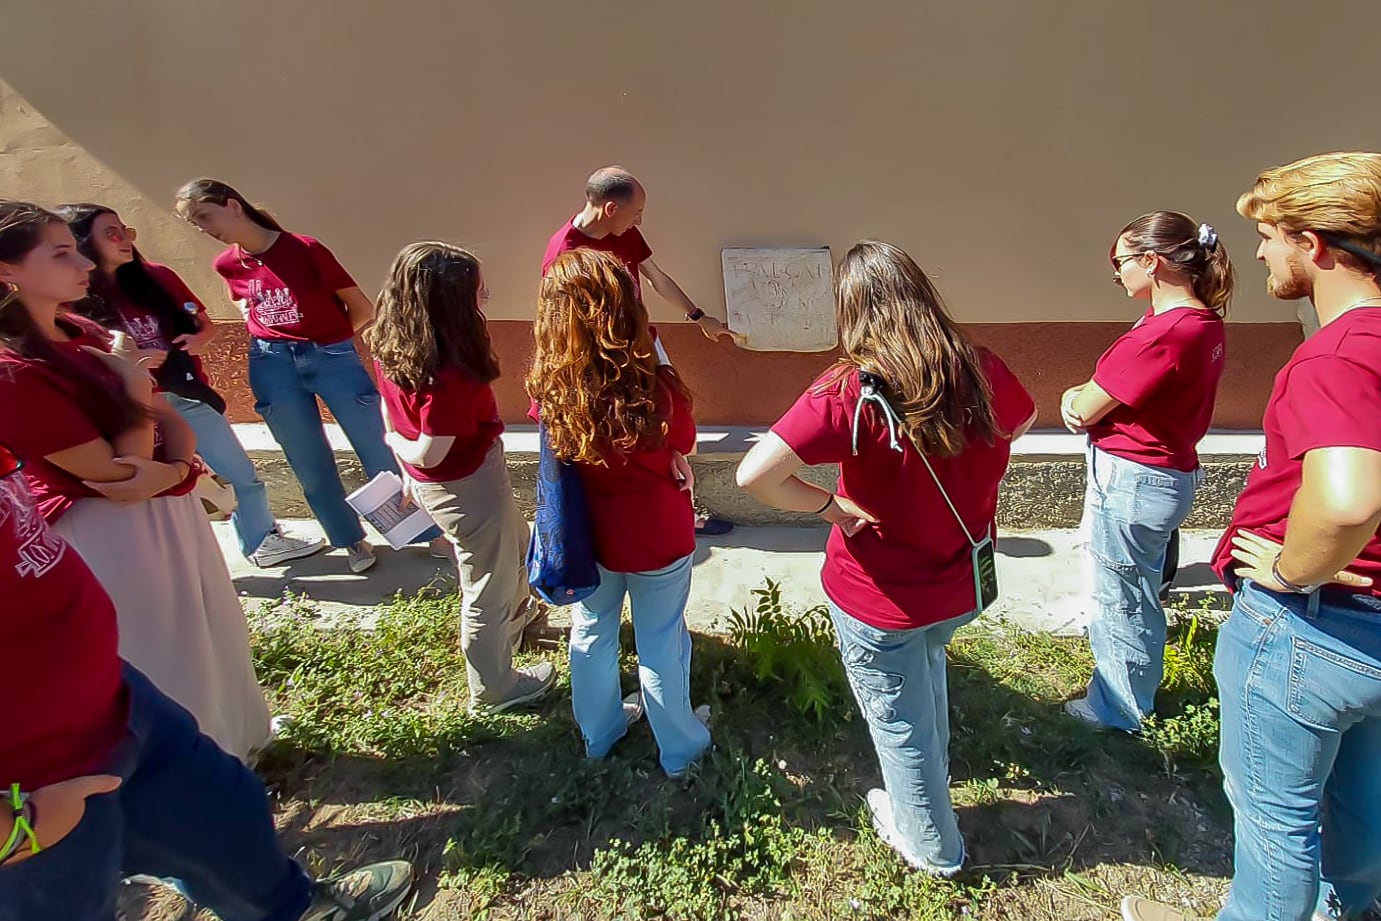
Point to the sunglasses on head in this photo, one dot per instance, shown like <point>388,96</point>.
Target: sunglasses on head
<point>9,462</point>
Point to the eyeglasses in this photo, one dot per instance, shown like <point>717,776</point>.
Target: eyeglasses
<point>9,462</point>
<point>1120,262</point>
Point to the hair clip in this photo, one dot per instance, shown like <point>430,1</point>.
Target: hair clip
<point>1208,237</point>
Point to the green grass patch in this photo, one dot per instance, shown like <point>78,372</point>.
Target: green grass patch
<point>505,818</point>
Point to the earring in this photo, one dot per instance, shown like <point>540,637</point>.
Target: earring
<point>1150,273</point>
<point>11,292</point>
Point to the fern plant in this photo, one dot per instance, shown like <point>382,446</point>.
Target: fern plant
<point>792,652</point>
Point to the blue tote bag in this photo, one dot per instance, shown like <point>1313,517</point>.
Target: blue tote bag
<point>561,555</point>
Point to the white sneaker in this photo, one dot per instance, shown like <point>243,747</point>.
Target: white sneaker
<point>278,548</point>
<point>633,708</point>
<point>361,556</point>
<point>880,805</point>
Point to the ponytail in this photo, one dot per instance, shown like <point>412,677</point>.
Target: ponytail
<point>1192,248</point>
<point>1215,281</point>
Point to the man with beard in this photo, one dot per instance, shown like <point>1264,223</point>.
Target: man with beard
<point>1298,663</point>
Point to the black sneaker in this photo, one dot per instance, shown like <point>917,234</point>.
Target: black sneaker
<point>370,893</point>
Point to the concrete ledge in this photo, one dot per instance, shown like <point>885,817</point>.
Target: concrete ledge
<point>1044,487</point>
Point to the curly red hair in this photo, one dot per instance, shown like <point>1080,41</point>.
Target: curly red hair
<point>595,375</point>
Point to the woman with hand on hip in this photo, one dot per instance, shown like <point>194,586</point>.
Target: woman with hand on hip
<point>920,422</point>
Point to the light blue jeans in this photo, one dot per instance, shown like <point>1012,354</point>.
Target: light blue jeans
<point>218,446</point>
<point>899,678</point>
<point>287,378</point>
<point>658,599</point>
<point>1300,685</point>
<point>1133,510</point>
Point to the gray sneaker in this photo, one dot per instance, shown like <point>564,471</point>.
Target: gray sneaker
<point>534,682</point>
<point>278,548</point>
<point>361,556</point>
<point>1082,710</point>
<point>370,893</point>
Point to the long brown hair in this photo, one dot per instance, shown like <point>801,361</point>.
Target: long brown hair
<point>1191,247</point>
<point>215,192</point>
<point>893,324</point>
<point>111,410</point>
<point>595,375</point>
<point>429,317</point>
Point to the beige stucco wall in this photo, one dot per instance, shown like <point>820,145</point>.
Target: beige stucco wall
<point>38,161</point>
<point>1002,142</point>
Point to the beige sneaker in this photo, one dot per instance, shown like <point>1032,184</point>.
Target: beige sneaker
<point>1139,909</point>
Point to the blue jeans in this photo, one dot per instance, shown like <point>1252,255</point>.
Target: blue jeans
<point>1133,510</point>
<point>899,678</point>
<point>287,378</point>
<point>1300,684</point>
<point>186,810</point>
<point>218,446</point>
<point>658,599</point>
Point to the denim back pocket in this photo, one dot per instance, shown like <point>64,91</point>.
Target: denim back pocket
<point>1329,688</point>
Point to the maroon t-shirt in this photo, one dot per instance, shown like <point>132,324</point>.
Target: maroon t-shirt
<point>143,324</point>
<point>1328,395</point>
<point>44,414</point>
<point>68,707</point>
<point>454,404</point>
<point>914,567</point>
<point>1164,372</point>
<point>290,289</point>
<point>642,519</point>
<point>629,246</point>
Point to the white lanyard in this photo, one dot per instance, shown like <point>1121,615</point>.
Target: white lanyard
<point>869,393</point>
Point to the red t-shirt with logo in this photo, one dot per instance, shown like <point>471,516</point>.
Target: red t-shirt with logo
<point>629,246</point>
<point>143,324</point>
<point>290,290</point>
<point>1164,372</point>
<point>68,708</point>
<point>454,404</point>
<point>44,414</point>
<point>1328,395</point>
<point>914,567</point>
<point>642,519</point>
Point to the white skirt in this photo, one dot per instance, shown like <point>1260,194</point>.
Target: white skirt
<point>180,619</point>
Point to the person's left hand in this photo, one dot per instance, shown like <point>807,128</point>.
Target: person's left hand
<point>196,343</point>
<point>714,330</point>
<point>681,471</point>
<point>1256,556</point>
